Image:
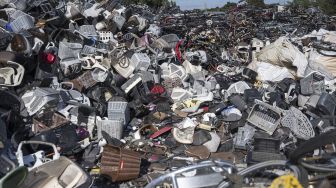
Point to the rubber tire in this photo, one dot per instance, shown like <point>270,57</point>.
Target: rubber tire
<point>312,144</point>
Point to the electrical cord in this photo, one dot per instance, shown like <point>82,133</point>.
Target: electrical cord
<point>316,168</point>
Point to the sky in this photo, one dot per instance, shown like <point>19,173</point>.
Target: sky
<point>200,4</point>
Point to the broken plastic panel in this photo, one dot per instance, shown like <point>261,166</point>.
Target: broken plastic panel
<point>88,62</point>
<point>265,116</point>
<point>312,84</point>
<point>180,94</point>
<point>99,73</point>
<point>48,120</point>
<point>122,64</point>
<point>254,157</point>
<point>326,104</point>
<point>257,45</point>
<point>18,4</point>
<point>238,87</point>
<point>170,40</point>
<point>11,73</point>
<point>213,143</point>
<point>265,149</point>
<point>249,74</point>
<point>197,57</point>
<point>171,70</point>
<point>88,31</point>
<point>250,95</point>
<point>192,105</point>
<point>184,131</point>
<point>36,99</point>
<point>238,101</point>
<point>84,81</point>
<point>231,114</point>
<point>73,96</point>
<point>154,30</point>
<point>47,8</point>
<point>131,83</point>
<point>119,21</point>
<point>88,50</point>
<point>70,66</point>
<point>298,123</point>
<point>39,159</point>
<point>244,136</point>
<point>170,83</point>
<point>93,11</point>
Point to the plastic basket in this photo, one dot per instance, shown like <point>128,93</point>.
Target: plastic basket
<point>69,50</point>
<point>84,81</point>
<point>113,128</point>
<point>118,110</point>
<point>15,14</point>
<point>312,84</point>
<point>298,123</point>
<point>88,50</point>
<point>265,117</point>
<point>88,30</point>
<point>22,23</point>
<point>141,61</point>
<point>120,164</point>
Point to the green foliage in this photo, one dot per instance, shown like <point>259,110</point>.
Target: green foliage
<point>257,3</point>
<point>151,3</point>
<point>327,6</point>
<point>229,5</point>
<point>226,7</point>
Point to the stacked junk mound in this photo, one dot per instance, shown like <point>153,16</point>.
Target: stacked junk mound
<point>101,94</point>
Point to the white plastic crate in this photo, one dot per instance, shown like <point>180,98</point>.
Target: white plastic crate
<point>106,36</point>
<point>22,23</point>
<point>141,61</point>
<point>113,128</point>
<point>69,50</point>
<point>118,110</point>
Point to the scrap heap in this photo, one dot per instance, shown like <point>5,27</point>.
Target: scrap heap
<point>100,94</point>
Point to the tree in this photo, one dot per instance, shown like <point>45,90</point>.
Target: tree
<point>150,3</point>
<point>229,6</point>
<point>226,7</point>
<point>256,3</point>
<point>327,6</point>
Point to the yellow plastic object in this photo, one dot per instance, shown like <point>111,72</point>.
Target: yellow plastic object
<point>286,181</point>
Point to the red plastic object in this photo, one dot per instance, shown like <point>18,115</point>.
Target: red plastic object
<point>158,89</point>
<point>161,131</point>
<point>51,58</point>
